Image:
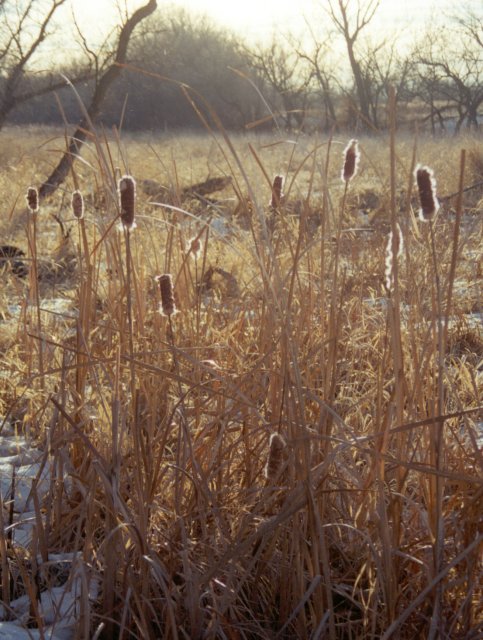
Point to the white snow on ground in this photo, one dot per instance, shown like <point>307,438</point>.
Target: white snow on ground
<point>24,480</point>
<point>25,470</point>
<point>59,607</point>
<point>60,307</point>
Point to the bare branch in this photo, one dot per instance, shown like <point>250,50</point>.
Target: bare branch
<point>13,49</point>
<point>350,30</point>
<point>62,169</point>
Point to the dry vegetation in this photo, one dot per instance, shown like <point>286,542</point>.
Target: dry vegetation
<point>362,519</point>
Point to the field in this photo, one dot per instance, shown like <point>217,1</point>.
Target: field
<point>296,452</point>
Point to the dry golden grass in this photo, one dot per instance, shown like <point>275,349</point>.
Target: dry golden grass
<point>371,526</point>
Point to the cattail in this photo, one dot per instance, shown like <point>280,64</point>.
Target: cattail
<point>168,305</point>
<point>276,456</point>
<point>277,195</point>
<point>32,199</point>
<point>127,199</point>
<point>427,193</point>
<point>77,203</point>
<point>351,160</point>
<point>195,247</point>
<point>390,256</point>
<point>211,364</point>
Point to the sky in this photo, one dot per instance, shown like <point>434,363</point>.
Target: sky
<point>256,20</point>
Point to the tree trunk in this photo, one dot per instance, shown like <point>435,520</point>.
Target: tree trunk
<point>61,171</point>
<point>5,108</point>
<point>360,85</point>
<point>473,114</point>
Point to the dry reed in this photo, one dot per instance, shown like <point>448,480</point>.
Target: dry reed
<point>174,499</point>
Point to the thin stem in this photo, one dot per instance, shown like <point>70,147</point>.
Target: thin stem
<point>438,445</point>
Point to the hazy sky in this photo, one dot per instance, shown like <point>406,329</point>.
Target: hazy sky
<point>256,20</point>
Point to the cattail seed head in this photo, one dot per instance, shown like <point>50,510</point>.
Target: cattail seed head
<point>32,199</point>
<point>276,456</point>
<point>277,194</point>
<point>77,204</point>
<point>195,247</point>
<point>127,200</point>
<point>390,256</point>
<point>168,305</point>
<point>351,160</point>
<point>427,193</point>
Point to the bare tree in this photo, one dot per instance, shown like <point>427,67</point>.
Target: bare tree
<point>323,76</point>
<point>450,68</point>
<point>350,25</point>
<point>383,66</point>
<point>24,27</point>
<point>102,86</point>
<point>281,69</point>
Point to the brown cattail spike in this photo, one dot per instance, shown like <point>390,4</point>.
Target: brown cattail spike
<point>195,247</point>
<point>276,456</point>
<point>77,204</point>
<point>277,195</point>
<point>168,305</point>
<point>127,200</point>
<point>427,193</point>
<point>33,199</point>
<point>351,160</point>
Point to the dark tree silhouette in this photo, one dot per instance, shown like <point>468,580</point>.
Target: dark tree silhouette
<point>350,18</point>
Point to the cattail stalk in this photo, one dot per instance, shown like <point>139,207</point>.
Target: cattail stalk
<point>127,203</point>
<point>391,536</point>
<point>349,168</point>
<point>184,449</point>
<point>32,197</point>
<point>85,314</point>
<point>429,208</point>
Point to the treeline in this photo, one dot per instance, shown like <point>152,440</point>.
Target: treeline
<point>183,69</point>
<point>171,52</point>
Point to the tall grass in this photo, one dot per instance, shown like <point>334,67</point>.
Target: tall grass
<point>291,457</point>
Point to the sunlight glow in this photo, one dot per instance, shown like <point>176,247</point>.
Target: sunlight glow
<point>257,21</point>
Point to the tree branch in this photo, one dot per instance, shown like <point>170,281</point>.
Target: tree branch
<point>61,171</point>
